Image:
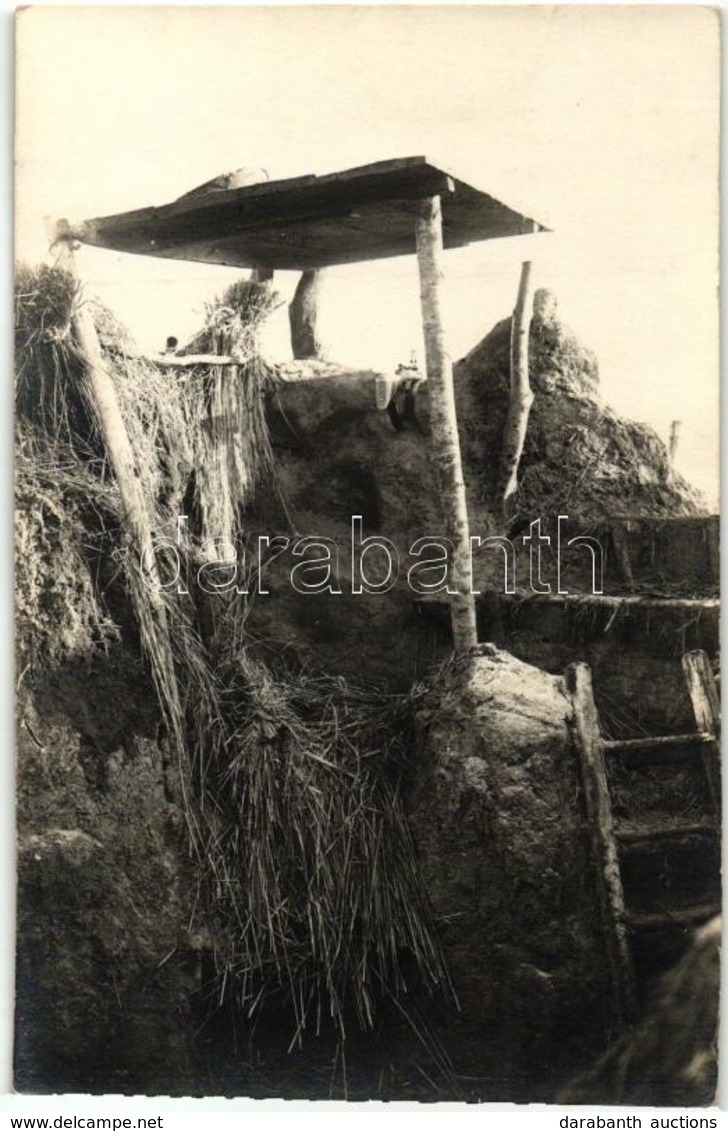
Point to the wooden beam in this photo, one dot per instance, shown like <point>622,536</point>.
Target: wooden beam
<point>675,830</point>
<point>188,361</point>
<point>103,400</point>
<point>603,842</point>
<point>674,439</point>
<point>703,692</point>
<point>262,275</point>
<point>688,743</point>
<point>706,708</point>
<point>308,222</point>
<point>102,396</point>
<point>620,544</point>
<point>607,601</point>
<point>303,316</point>
<point>443,423</point>
<point>244,210</point>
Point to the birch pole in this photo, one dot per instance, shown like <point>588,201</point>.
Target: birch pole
<point>521,396</point>
<point>443,422</point>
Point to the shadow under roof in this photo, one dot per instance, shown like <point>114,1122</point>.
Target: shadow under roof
<point>308,222</point>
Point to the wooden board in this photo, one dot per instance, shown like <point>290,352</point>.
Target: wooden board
<point>308,222</point>
<point>706,708</point>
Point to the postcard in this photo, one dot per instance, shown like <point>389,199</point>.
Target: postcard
<point>367,553</point>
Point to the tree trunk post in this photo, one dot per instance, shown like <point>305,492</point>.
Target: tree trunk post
<point>103,399</point>
<point>444,426</point>
<point>521,398</point>
<point>261,275</point>
<point>303,316</point>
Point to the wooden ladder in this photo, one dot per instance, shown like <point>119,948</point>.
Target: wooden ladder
<point>608,836</point>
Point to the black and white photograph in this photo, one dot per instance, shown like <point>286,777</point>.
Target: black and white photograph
<point>367,555</point>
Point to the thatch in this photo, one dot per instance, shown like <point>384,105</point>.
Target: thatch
<point>315,884</point>
<point>290,785</point>
<point>48,390</point>
<point>57,613</point>
<point>225,412</point>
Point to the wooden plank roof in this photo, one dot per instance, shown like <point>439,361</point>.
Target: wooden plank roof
<point>306,222</point>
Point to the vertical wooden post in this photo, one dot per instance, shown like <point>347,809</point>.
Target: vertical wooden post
<point>443,420</point>
<point>619,532</point>
<point>521,394</point>
<point>262,275</point>
<point>712,538</point>
<point>303,316</point>
<point>674,439</point>
<point>603,841</point>
<point>706,708</point>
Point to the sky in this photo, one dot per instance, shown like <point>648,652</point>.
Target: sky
<point>602,123</point>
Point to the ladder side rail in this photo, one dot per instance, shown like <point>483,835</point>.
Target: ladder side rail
<point>603,841</point>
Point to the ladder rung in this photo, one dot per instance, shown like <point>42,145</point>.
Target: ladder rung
<point>629,833</point>
<point>679,917</point>
<point>660,742</point>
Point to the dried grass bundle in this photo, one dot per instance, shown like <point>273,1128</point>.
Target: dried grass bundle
<point>314,873</point>
<point>49,386</point>
<point>225,413</point>
<point>57,613</point>
<point>289,784</point>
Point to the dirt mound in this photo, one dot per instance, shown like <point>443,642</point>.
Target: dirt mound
<point>107,969</point>
<point>580,457</point>
<point>505,862</point>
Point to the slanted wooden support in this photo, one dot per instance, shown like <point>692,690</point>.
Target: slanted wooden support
<point>104,403</point>
<point>303,316</point>
<point>103,400</point>
<point>443,423</point>
<point>521,394</point>
<point>706,708</point>
<point>603,841</point>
